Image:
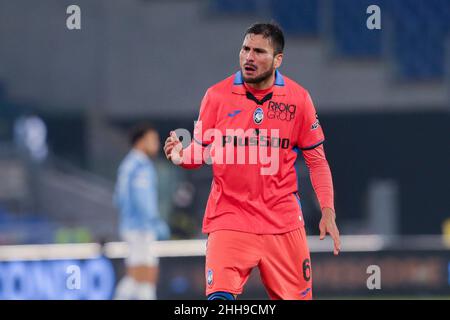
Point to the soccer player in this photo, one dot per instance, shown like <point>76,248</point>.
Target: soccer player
<point>140,222</point>
<point>253,217</point>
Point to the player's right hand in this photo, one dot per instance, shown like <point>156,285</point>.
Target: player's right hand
<point>173,149</point>
<point>328,225</point>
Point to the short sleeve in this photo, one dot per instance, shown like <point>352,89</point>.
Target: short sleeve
<point>310,134</point>
<point>206,121</point>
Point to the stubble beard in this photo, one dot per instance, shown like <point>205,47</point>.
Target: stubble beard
<point>261,78</point>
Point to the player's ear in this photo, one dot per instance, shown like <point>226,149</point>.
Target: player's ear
<point>278,60</point>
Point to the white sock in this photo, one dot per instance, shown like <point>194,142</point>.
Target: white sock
<point>126,289</point>
<point>145,291</point>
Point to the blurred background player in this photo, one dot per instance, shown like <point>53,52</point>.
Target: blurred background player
<point>140,223</point>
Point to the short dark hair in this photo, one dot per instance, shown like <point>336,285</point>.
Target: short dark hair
<point>269,30</point>
<point>140,130</point>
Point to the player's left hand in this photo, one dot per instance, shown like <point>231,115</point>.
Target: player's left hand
<point>328,225</point>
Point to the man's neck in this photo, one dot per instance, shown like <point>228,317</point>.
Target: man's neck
<point>266,84</point>
<point>140,151</point>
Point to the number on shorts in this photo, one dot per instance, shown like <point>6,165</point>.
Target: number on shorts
<point>306,269</point>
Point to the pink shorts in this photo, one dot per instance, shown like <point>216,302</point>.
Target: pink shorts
<point>283,261</point>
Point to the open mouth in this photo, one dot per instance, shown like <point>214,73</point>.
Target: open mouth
<point>249,68</point>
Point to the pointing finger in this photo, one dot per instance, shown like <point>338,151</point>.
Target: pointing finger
<point>322,232</point>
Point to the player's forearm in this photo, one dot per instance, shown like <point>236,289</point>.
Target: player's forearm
<point>321,178</point>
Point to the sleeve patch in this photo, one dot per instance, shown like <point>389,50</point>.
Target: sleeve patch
<point>316,124</point>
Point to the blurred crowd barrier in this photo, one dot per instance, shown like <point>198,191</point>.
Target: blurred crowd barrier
<point>409,267</point>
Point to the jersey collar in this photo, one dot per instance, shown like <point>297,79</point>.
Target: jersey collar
<point>139,155</point>
<point>279,87</point>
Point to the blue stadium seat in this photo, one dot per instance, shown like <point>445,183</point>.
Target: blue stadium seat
<point>233,6</point>
<point>414,31</point>
<point>297,17</point>
<point>351,36</point>
<point>418,43</point>
<point>25,228</point>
